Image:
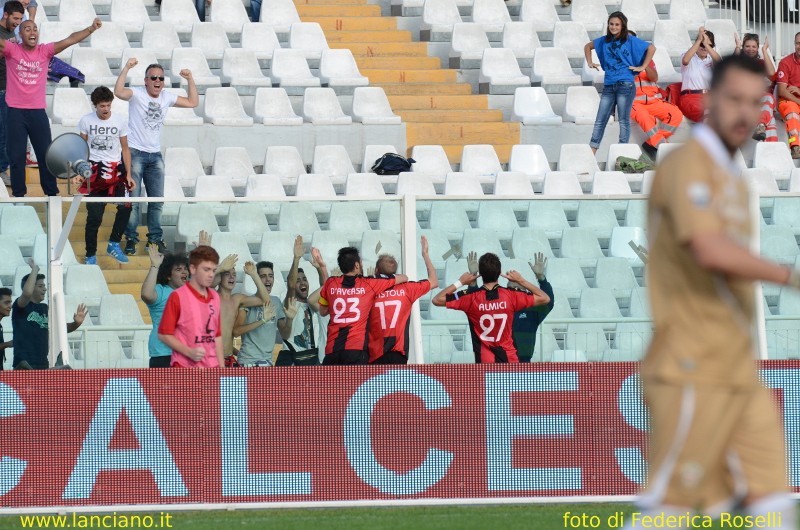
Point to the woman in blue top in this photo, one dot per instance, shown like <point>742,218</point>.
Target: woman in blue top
<point>622,57</point>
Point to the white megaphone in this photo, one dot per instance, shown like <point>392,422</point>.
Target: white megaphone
<point>68,156</point>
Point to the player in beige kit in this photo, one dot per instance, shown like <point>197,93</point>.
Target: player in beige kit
<point>716,440</point>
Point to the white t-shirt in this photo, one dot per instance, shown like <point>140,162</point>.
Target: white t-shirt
<point>697,74</point>
<point>146,117</point>
<point>104,135</point>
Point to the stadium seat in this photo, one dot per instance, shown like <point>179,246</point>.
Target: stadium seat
<point>522,39</point>
<point>279,14</point>
<point>666,72</point>
<point>512,183</point>
<point>591,13</point>
<point>647,181</point>
<point>332,161</point>
<point>290,70</point>
<point>430,159</point>
<point>588,338</point>
<point>579,159</point>
<point>598,303</point>
<point>265,186</point>
<point>526,242</point>
<point>500,73</point>
<point>338,69</point>
<point>531,160</point>
<point>159,38</point>
<point>438,246</point>
<point>329,242</point>
<point>363,185</point>
<point>69,106</point>
<point>724,31</point>
<point>691,12</point>
<point>277,247</point>
<point>619,247</point>
<point>240,69</point>
<point>261,39</point>
<point>210,37</point>
<point>111,39</point>
<point>415,184</point>
<point>389,217</point>
<point>571,37</point>
<point>315,185</point>
<point>130,14</point>
<point>297,218</point>
<point>119,310</point>
<point>87,283</point>
<point>172,190</point>
<point>581,244</point>
<point>467,45</point>
<point>597,216</point>
<point>75,12</point>
<point>480,159</point>
<point>222,106</point>
<point>192,218</point>
<point>566,277</point>
<point>492,15</point>
<point>371,107</point>
<point>665,149</point>
<point>462,184</point>
<point>616,275</point>
<point>56,31</point>
<point>631,340</point>
<point>438,344</point>
<point>194,60</point>
<point>541,12</point>
<point>610,183</point>
<point>227,243</point>
<point>642,14</point>
<point>233,164</point>
<point>581,105</point>
<point>785,212</point>
<point>777,243</point>
<point>617,150</point>
<point>181,14</point>
<point>672,36</point>
<point>183,164</point>
<point>593,76</point>
<point>22,223</point>
<point>636,214</point>
<point>308,38</point>
<point>214,187</point>
<point>100,350</point>
<point>775,157</point>
<point>551,70</point>
<point>41,252</point>
<point>377,242</point>
<point>438,18</point>
<point>13,258</point>
<point>548,216</point>
<point>272,107</point>
<point>94,66</point>
<point>499,217</point>
<point>448,217</point>
<point>231,14</point>
<point>640,304</point>
<point>532,107</point>
<point>322,107</point>
<point>761,181</point>
<point>284,161</point>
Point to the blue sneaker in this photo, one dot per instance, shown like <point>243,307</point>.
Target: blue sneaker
<point>115,251</point>
<point>90,260</point>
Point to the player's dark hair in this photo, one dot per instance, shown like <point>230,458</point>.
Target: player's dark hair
<point>386,264</point>
<point>623,34</point>
<point>170,262</point>
<point>264,265</point>
<point>347,259</point>
<point>300,269</point>
<point>5,291</point>
<point>203,253</point>
<point>151,66</point>
<point>711,39</point>
<point>736,62</point>
<point>25,279</point>
<point>489,267</point>
<point>13,6</point>
<point>102,94</point>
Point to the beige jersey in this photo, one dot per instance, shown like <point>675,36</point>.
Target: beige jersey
<point>703,321</point>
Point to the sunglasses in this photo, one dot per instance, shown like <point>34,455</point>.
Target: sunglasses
<point>154,77</point>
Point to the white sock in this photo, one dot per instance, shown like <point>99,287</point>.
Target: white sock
<point>776,505</point>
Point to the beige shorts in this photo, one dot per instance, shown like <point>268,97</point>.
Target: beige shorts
<point>712,445</point>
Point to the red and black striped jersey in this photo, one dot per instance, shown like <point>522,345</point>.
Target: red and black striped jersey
<point>388,326</point>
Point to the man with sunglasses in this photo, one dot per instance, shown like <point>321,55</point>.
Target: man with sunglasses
<point>147,110</point>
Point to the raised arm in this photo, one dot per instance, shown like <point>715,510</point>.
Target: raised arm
<point>695,46</point>
<point>539,297</point>
<point>716,57</point>
<point>77,36</point>
<point>717,252</point>
<point>769,63</point>
<point>318,263</point>
<point>440,299</point>
<point>29,286</point>
<point>261,289</point>
<point>285,324</point>
<point>77,318</point>
<point>148,292</point>
<point>433,278</point>
<point>291,280</point>
<point>192,99</point>
<point>120,90</point>
<point>227,264</point>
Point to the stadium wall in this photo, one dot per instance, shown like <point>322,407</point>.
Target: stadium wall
<point>343,434</point>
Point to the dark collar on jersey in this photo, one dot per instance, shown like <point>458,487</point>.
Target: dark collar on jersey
<point>494,293</point>
<point>348,281</point>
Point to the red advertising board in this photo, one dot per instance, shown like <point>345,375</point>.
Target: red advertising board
<point>328,433</point>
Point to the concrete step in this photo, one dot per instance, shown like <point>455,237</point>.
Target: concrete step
<point>454,152</point>
<point>133,289</point>
<point>140,261</point>
<point>127,275</point>
<point>353,23</point>
<point>339,11</point>
<point>450,116</point>
<point>390,63</point>
<point>380,77</point>
<point>384,49</point>
<point>438,102</point>
<point>462,133</point>
<point>429,89</point>
<point>377,36</point>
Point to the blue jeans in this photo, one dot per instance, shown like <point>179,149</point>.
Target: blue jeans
<point>3,113</point>
<point>255,10</point>
<point>147,168</point>
<point>620,94</point>
<point>200,6</point>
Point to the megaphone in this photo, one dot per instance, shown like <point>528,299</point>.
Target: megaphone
<point>68,156</point>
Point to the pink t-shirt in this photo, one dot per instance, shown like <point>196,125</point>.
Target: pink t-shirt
<point>194,320</point>
<point>26,72</point>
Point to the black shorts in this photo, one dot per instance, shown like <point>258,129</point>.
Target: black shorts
<point>346,357</point>
<point>161,362</point>
<point>391,357</point>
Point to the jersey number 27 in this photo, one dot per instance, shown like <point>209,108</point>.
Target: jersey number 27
<point>488,324</point>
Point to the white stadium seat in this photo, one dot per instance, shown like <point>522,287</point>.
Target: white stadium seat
<point>240,69</point>
<point>315,185</point>
<point>581,244</point>
<point>581,105</point>
<point>724,31</point>
<point>642,14</point>
<point>610,183</point>
<point>272,107</point>
<point>181,14</point>
<point>41,252</point>
<point>213,187</point>
<point>598,303</point>
<point>598,216</point>
<point>492,15</point>
<point>430,159</point>
<point>338,68</point>
<point>761,181</point>
<point>76,12</point>
<point>467,45</point>
<point>264,186</point>
<point>552,70</point>
<point>666,72</point>
<point>227,243</point>
<point>160,38</point>
<point>512,183</point>
<point>119,310</point>
<point>231,14</point>
<point>332,161</point>
<point>480,240</point>
<point>590,339</point>
<point>56,31</point>
<point>371,107</point>
<point>350,219</point>
<point>183,163</point>
<point>786,213</point>
<point>529,159</point>
<point>672,36</point>
<point>87,283</point>
<point>438,246</point>
<point>591,13</point>
<point>308,38</point>
<point>577,158</point>
<point>480,159</point>
<point>462,184</point>
<point>775,157</point>
<point>70,105</point>
<point>111,39</point>
<point>522,39</point>
<point>194,60</point>
<point>526,242</point>
<point>541,12</point>
<point>415,184</point>
<point>130,14</point>
<point>593,76</point>
<point>193,218</point>
<point>322,107</point>
<point>389,244</point>
<point>631,340</point>
<point>363,184</point>
<point>777,243</point>
<point>532,107</point>
<point>181,116</point>
<point>22,223</point>
<point>499,217</point>
<point>438,18</point>
<point>619,246</point>
<point>222,106</point>
<point>233,164</point>
<point>566,276</point>
<point>500,73</point>
<point>210,37</point>
<point>277,248</point>
<point>549,217</point>
<point>617,275</point>
<point>571,37</point>
<point>261,39</point>
<point>279,14</point>
<point>290,69</point>
<point>12,258</point>
<point>640,304</point>
<point>448,217</point>
<point>328,243</point>
<point>284,161</point>
<point>93,64</point>
<point>297,218</point>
